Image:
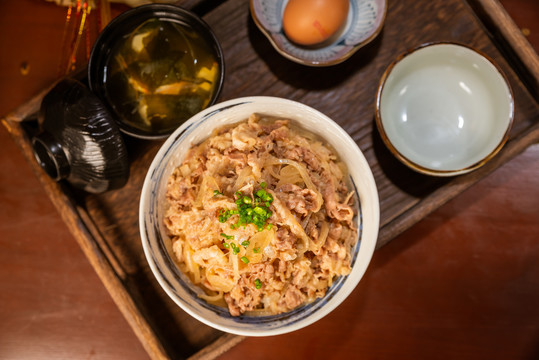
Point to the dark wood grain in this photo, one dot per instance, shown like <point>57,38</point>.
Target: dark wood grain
<point>344,92</point>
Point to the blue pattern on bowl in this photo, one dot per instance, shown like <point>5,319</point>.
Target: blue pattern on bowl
<point>364,22</point>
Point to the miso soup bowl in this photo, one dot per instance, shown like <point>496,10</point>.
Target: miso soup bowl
<point>118,31</point>
<point>157,244</point>
<point>444,109</point>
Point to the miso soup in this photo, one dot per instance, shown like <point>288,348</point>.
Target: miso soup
<point>160,75</point>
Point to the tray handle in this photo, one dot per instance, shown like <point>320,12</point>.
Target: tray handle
<point>507,35</point>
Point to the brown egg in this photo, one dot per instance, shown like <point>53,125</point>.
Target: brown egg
<point>310,22</point>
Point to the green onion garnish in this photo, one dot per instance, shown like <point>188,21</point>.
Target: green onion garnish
<point>244,259</point>
<point>228,237</point>
<point>251,210</point>
<point>259,210</point>
<point>258,283</point>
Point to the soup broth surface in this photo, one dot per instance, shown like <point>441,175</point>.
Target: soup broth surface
<point>160,75</point>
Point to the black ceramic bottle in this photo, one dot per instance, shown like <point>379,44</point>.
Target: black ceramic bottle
<point>80,141</point>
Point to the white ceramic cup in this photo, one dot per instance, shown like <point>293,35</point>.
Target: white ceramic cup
<point>444,109</point>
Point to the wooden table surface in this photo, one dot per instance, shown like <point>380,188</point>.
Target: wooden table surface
<point>463,283</point>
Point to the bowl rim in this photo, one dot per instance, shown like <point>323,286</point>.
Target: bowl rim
<point>158,11</point>
<point>412,164</point>
<point>365,246</point>
<point>334,61</point>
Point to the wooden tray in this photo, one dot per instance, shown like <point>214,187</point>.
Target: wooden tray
<point>106,226</point>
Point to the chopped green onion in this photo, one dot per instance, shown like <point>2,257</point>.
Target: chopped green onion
<point>251,210</point>
<point>224,215</point>
<point>244,259</point>
<point>256,250</point>
<point>225,245</point>
<point>228,237</point>
<point>217,192</point>
<point>245,243</point>
<point>263,184</point>
<point>258,283</point>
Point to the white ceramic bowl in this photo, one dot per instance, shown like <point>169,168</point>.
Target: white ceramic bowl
<point>157,245</point>
<point>365,21</point>
<point>444,109</point>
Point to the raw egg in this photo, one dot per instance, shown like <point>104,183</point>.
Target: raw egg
<point>311,22</point>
